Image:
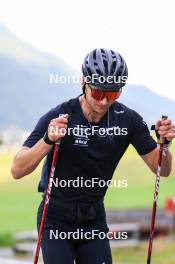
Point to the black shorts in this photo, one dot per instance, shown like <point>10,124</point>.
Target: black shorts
<point>75,232</point>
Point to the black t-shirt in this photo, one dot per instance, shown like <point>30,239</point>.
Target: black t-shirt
<point>91,150</point>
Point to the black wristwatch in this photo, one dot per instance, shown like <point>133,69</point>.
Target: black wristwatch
<point>47,140</point>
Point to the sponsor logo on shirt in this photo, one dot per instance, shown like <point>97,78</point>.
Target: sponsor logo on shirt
<point>82,134</point>
<point>119,112</point>
<point>144,122</point>
<point>81,137</point>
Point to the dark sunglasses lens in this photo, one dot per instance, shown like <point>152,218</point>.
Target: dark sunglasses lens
<point>96,94</point>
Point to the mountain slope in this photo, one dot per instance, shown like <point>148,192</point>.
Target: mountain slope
<point>149,104</point>
<point>25,90</point>
<point>26,93</point>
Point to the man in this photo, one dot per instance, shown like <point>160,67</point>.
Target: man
<point>99,130</point>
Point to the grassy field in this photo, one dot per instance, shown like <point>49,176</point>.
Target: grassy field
<point>20,199</point>
<point>141,184</point>
<point>163,252</point>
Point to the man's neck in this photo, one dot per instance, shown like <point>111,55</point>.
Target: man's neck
<point>89,113</point>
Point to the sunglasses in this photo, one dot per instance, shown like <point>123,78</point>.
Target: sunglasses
<point>100,95</point>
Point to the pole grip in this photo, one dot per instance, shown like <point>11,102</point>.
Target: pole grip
<point>164,117</point>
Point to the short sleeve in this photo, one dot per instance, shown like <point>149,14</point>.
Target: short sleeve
<point>37,133</point>
<point>41,127</point>
<point>140,136</point>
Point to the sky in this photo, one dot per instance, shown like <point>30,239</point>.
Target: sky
<point>141,30</point>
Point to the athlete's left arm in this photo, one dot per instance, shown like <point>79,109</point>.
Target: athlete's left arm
<point>151,159</point>
<point>166,130</point>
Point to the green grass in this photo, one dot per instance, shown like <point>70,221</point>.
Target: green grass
<point>141,183</point>
<point>163,252</point>
<point>20,200</point>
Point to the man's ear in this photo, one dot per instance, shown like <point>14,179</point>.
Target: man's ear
<point>83,84</point>
<point>82,81</point>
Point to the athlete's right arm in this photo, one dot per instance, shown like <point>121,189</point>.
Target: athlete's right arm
<point>27,159</point>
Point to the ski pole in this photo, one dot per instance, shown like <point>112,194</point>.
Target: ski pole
<point>46,202</point>
<point>156,192</point>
